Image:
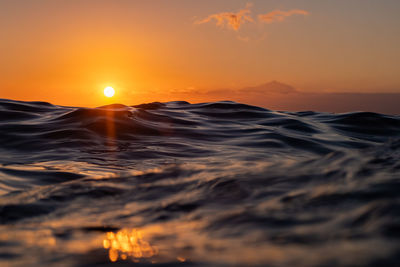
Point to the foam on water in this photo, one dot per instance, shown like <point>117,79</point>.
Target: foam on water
<point>217,184</point>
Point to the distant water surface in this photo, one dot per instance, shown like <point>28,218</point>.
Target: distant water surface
<point>210,184</point>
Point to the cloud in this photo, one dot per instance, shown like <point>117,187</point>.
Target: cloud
<point>234,20</point>
<point>279,15</point>
<point>229,19</point>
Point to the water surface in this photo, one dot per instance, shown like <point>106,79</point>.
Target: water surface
<point>220,184</point>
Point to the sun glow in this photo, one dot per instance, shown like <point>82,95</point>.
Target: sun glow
<point>109,91</point>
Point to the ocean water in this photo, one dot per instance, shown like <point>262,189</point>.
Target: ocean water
<point>210,184</point>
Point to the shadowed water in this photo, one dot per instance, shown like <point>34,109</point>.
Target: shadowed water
<point>220,184</point>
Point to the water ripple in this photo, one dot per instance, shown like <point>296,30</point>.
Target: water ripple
<point>221,184</point>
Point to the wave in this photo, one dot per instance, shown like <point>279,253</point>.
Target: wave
<point>219,183</point>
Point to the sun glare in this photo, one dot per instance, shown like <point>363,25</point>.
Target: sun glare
<point>109,91</point>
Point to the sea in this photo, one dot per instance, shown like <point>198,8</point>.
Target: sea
<point>208,184</point>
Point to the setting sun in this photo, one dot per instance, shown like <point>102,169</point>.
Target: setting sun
<point>109,91</point>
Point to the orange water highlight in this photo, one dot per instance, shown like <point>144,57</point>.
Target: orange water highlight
<point>128,244</point>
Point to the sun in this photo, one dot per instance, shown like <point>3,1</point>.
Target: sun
<point>109,91</point>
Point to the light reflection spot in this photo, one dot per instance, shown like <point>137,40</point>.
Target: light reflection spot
<point>128,243</point>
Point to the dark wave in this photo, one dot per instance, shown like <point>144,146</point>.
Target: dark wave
<point>218,183</point>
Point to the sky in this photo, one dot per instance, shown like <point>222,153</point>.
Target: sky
<point>67,51</point>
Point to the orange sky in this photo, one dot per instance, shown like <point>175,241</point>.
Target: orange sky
<point>66,52</point>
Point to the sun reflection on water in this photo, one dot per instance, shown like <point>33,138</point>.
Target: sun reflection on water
<point>128,244</point>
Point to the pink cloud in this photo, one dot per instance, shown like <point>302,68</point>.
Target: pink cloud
<point>279,16</point>
<point>230,19</point>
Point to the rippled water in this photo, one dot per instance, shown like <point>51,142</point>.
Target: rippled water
<point>220,184</point>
